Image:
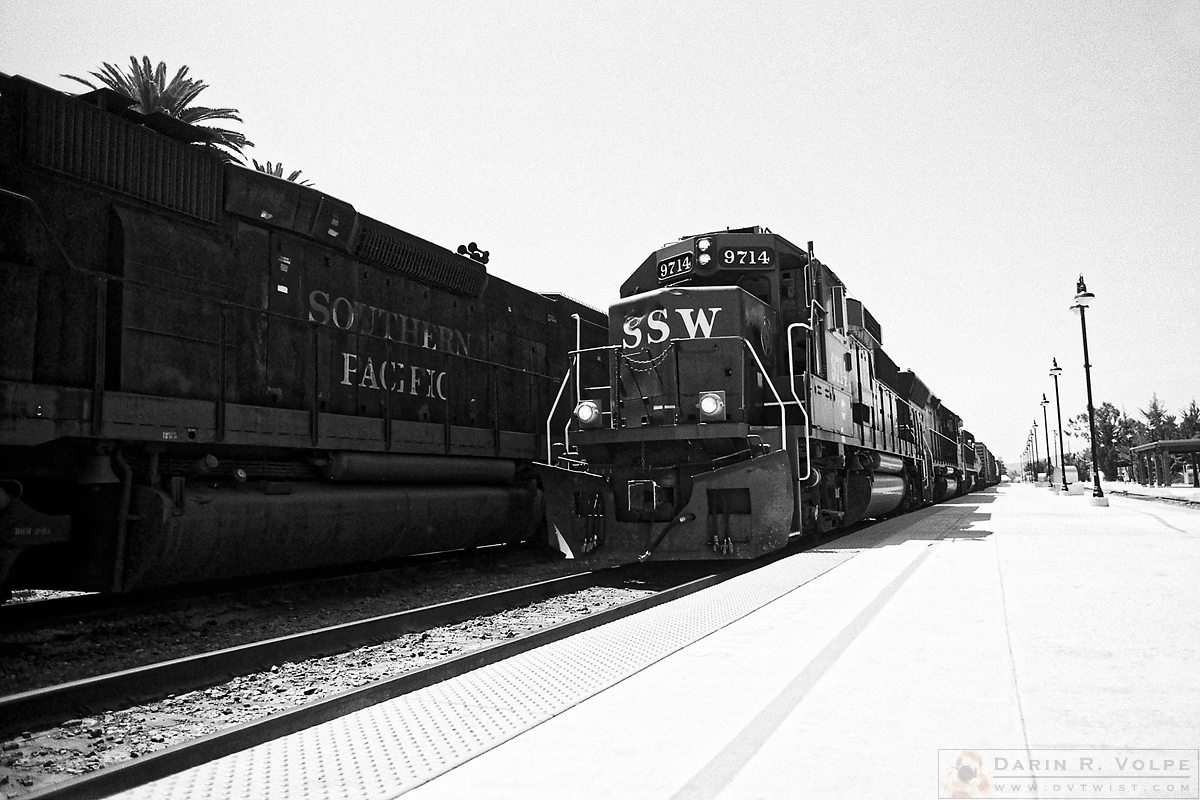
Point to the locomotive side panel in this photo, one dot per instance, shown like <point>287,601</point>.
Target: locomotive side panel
<point>215,372</point>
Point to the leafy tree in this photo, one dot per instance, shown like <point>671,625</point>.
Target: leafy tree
<point>1159,424</point>
<point>1189,423</point>
<point>277,171</point>
<point>1080,463</point>
<point>149,89</point>
<point>1115,434</point>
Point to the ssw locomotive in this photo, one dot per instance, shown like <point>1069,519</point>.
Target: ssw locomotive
<point>210,372</point>
<point>749,399</point>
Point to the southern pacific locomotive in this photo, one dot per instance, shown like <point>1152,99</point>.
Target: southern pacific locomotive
<point>209,372</point>
<point>749,399</point>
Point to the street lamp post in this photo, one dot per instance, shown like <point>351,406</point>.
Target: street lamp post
<point>1083,299</point>
<point>1055,371</point>
<point>1033,438</point>
<point>1049,457</point>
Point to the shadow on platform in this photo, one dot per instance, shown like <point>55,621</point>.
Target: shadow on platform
<point>958,518</point>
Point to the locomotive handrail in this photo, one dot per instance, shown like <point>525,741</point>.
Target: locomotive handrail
<point>761,369</point>
<point>792,383</point>
<point>578,344</point>
<point>554,406</point>
<point>593,349</point>
<point>957,453</point>
<point>782,411</point>
<point>944,436</point>
<point>567,436</point>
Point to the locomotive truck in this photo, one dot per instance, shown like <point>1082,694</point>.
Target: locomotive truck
<point>749,399</point>
<point>210,372</point>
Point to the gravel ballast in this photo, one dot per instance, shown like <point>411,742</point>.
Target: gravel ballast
<point>35,760</point>
<point>35,657</point>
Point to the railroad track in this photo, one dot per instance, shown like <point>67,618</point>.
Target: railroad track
<point>55,704</point>
<point>1175,501</point>
<point>63,609</point>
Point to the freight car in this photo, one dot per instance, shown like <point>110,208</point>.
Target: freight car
<point>749,399</point>
<point>211,372</point>
<point>989,468</point>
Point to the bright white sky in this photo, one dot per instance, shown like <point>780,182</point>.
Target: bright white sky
<point>957,163</point>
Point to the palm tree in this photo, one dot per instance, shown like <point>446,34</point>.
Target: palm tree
<point>150,91</point>
<point>277,171</point>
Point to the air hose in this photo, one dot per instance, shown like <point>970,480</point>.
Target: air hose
<point>675,520</point>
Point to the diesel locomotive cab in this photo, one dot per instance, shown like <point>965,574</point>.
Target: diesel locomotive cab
<point>687,437</point>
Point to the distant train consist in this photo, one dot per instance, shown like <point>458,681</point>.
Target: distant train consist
<point>211,372</point>
<point>749,399</point>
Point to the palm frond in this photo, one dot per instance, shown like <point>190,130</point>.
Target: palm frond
<point>147,85</point>
<point>86,83</point>
<point>277,171</point>
<point>197,113</point>
<point>226,137</point>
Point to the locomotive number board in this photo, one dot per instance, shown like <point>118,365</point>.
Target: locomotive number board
<point>746,257</point>
<point>674,267</point>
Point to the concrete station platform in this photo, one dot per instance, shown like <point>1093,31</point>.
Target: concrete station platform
<point>1013,620</point>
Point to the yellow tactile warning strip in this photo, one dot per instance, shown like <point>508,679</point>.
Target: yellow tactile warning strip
<point>391,748</point>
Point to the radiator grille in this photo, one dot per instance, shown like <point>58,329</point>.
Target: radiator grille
<point>872,326</point>
<point>456,274</point>
<point>862,325</point>
<point>73,138</point>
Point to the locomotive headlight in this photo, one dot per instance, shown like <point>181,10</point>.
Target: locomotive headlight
<point>703,245</point>
<point>712,406</point>
<point>704,258</point>
<point>588,414</point>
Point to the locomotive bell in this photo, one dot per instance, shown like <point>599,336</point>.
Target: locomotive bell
<point>99,471</point>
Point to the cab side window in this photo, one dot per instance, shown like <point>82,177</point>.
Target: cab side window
<point>757,285</point>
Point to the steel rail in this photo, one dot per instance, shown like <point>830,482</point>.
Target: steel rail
<point>52,705</point>
<point>1183,502</point>
<point>77,607</point>
<point>178,758</point>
